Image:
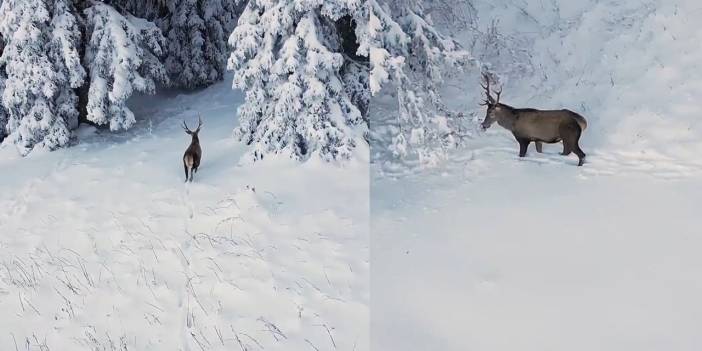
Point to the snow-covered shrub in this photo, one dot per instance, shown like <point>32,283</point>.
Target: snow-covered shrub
<point>122,55</point>
<point>3,77</point>
<point>289,57</point>
<point>452,16</point>
<point>3,113</point>
<point>196,33</point>
<point>408,53</point>
<point>42,67</point>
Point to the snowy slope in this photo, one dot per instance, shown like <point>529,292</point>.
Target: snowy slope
<point>104,247</point>
<point>631,67</point>
<point>492,252</point>
<point>500,254</point>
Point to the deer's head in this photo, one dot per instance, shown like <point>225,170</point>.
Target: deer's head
<point>494,108</point>
<point>194,133</point>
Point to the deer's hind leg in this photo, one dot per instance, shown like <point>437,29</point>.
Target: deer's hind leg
<point>571,136</point>
<point>539,147</point>
<point>185,167</point>
<point>566,149</point>
<point>578,151</point>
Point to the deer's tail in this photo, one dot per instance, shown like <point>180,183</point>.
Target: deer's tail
<point>188,163</point>
<point>582,122</point>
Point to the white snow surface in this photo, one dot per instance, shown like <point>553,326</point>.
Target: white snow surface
<point>492,252</point>
<point>103,246</point>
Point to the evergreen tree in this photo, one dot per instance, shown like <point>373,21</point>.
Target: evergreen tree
<point>287,56</point>
<point>3,113</point>
<point>122,55</point>
<point>42,67</point>
<point>196,32</point>
<point>150,10</point>
<point>408,53</point>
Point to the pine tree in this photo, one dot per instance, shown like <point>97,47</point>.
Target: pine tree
<point>43,68</point>
<point>288,57</point>
<point>3,77</point>
<point>122,56</point>
<point>409,54</point>
<point>3,113</point>
<point>147,9</point>
<point>197,32</point>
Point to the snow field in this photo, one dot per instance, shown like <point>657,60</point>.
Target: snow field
<point>535,253</point>
<point>105,247</point>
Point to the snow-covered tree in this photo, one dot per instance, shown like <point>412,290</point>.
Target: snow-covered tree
<point>42,66</point>
<point>3,113</point>
<point>122,55</point>
<point>196,33</point>
<point>3,77</point>
<point>408,53</point>
<point>289,57</point>
<point>146,9</point>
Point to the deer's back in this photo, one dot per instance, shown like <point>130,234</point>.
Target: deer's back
<point>192,154</point>
<point>543,125</point>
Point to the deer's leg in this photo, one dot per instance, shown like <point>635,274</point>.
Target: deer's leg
<point>566,150</point>
<point>572,133</point>
<point>539,146</point>
<point>523,145</point>
<point>186,171</point>
<point>578,151</point>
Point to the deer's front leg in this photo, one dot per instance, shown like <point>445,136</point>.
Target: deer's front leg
<point>539,146</point>
<point>523,145</point>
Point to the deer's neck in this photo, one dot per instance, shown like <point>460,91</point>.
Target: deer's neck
<point>195,141</point>
<point>507,119</point>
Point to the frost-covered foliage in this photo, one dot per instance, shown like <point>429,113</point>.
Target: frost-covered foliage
<point>122,56</point>
<point>3,77</point>
<point>407,52</point>
<point>452,16</point>
<point>148,9</point>
<point>197,32</point>
<point>3,113</point>
<point>42,66</point>
<point>289,57</point>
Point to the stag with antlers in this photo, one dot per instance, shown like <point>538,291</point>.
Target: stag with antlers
<point>539,126</point>
<point>193,154</point>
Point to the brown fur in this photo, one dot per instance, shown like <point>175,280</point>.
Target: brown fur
<point>539,126</point>
<point>193,154</point>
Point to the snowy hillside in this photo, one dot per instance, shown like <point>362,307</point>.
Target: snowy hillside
<point>631,67</point>
<point>103,246</point>
<point>502,253</point>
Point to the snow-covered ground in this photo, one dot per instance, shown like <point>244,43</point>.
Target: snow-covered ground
<point>103,247</point>
<point>497,253</point>
<point>492,252</point>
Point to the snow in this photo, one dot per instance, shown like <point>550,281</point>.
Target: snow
<point>487,251</point>
<point>104,246</point>
<point>500,254</point>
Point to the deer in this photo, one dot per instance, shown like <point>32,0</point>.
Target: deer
<point>193,154</point>
<point>532,125</point>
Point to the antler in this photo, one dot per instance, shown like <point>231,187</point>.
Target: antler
<point>199,125</point>
<point>199,122</point>
<point>489,100</point>
<point>497,100</point>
